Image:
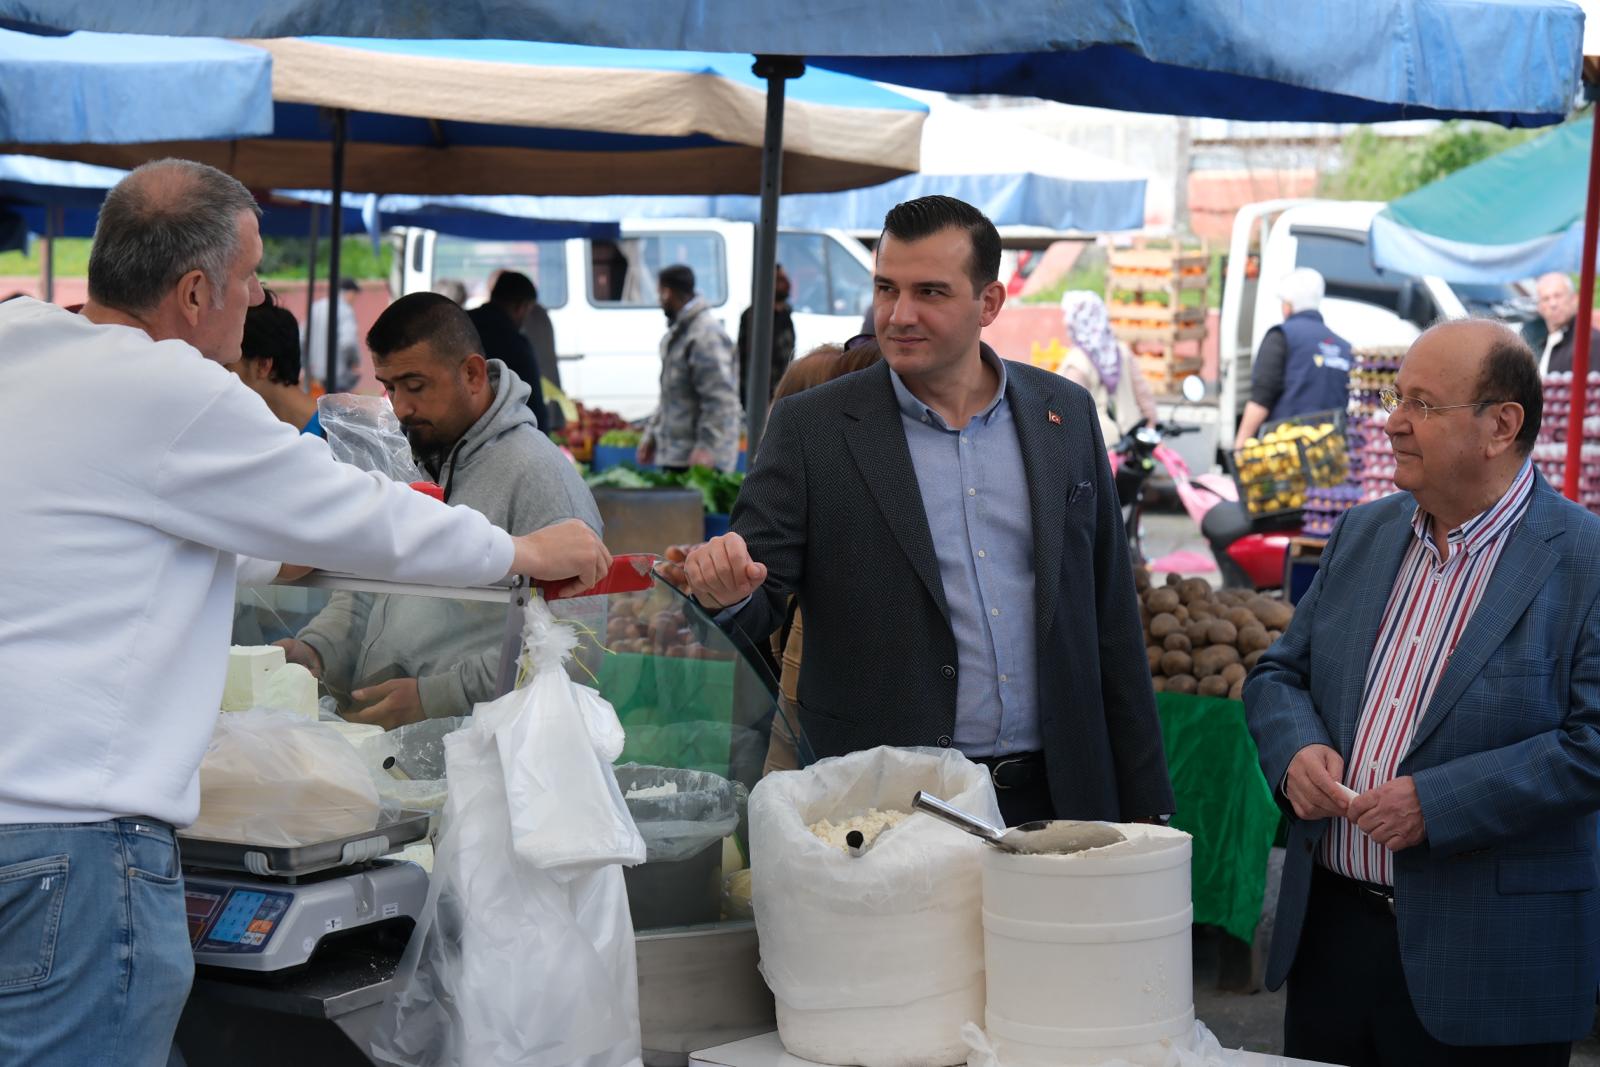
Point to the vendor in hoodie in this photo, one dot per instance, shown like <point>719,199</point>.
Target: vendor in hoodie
<point>401,659</point>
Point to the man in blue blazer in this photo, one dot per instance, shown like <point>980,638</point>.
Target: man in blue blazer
<point>1432,721</point>
<point>948,523</point>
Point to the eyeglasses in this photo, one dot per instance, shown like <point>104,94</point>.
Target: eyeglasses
<point>1392,401</point>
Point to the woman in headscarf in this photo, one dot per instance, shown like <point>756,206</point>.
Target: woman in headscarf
<point>1100,363</point>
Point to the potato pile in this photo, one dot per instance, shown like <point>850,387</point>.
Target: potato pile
<point>1203,640</point>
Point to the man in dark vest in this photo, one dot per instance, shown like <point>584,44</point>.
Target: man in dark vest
<point>1302,367</point>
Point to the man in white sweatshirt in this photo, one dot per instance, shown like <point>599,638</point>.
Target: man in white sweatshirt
<point>142,472</point>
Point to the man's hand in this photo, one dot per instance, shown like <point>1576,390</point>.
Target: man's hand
<point>646,452</point>
<point>1313,784</point>
<point>567,552</point>
<point>398,703</point>
<point>721,572</point>
<point>292,572</point>
<point>671,567</point>
<point>702,457</point>
<point>1391,814</point>
<point>299,652</point>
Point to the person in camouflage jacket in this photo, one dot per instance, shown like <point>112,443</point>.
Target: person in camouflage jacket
<point>697,423</point>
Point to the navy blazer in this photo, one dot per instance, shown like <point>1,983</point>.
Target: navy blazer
<point>832,507</point>
<point>1498,909</point>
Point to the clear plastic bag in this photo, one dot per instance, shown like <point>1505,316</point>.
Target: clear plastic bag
<point>524,951</point>
<point>278,779</point>
<point>874,959</point>
<point>701,810</point>
<point>364,432</point>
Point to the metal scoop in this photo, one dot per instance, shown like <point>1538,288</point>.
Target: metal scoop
<point>1047,836</point>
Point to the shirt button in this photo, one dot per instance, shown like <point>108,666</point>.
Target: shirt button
<point>1003,678</point>
<point>994,611</point>
<point>982,554</point>
<point>948,671</point>
<point>924,418</point>
<point>963,438</point>
<point>972,492</point>
<point>944,740</point>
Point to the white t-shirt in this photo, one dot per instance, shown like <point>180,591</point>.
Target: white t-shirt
<point>137,472</point>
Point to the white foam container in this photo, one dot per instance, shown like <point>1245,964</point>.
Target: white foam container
<point>1088,955</point>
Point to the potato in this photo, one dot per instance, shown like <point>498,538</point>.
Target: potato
<point>1272,637</point>
<point>1213,686</point>
<point>1182,683</point>
<point>1141,578</point>
<point>1234,672</point>
<point>1222,632</point>
<point>1159,684</point>
<point>1162,601</point>
<point>1209,661</point>
<point>1177,641</point>
<point>1198,633</point>
<point>1251,660</point>
<point>1182,613</point>
<point>1154,653</point>
<point>1253,638</point>
<point>1241,617</point>
<point>1176,663</point>
<point>1274,614</point>
<point>1173,578</point>
<point>1236,691</point>
<point>1194,589</point>
<point>1162,625</point>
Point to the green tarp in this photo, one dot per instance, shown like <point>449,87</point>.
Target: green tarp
<point>1225,803</point>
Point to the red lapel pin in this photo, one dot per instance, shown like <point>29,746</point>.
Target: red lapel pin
<point>1054,418</point>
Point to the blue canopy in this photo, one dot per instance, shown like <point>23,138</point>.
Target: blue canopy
<point>128,88</point>
<point>1513,61</point>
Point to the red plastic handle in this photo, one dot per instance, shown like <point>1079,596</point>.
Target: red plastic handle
<point>628,574</point>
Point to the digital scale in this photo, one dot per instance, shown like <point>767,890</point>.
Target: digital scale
<point>268,910</point>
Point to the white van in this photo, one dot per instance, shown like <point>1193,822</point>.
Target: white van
<point>601,294</point>
<point>1364,305</point>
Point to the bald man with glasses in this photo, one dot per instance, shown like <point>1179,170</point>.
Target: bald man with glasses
<point>1432,721</point>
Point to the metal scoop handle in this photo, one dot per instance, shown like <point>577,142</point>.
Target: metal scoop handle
<point>932,805</point>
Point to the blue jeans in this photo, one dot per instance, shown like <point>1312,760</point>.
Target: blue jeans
<point>95,962</point>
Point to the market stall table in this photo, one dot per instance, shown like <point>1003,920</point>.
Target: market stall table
<point>767,1051</point>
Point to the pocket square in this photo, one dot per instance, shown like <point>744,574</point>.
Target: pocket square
<point>1082,490</point>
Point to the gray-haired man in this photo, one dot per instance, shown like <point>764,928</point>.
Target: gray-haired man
<point>150,472</point>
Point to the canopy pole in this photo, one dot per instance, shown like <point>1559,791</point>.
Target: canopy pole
<point>47,254</point>
<point>758,391</point>
<point>1580,346</point>
<point>311,295</point>
<point>335,239</point>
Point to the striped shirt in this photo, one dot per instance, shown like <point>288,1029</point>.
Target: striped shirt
<point>1429,609</point>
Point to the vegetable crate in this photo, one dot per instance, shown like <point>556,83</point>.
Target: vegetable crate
<point>1155,297</point>
<point>1273,472</point>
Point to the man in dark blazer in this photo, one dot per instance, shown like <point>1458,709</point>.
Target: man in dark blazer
<point>1432,721</point>
<point>949,524</point>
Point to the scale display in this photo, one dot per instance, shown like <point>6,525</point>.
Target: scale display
<point>229,919</point>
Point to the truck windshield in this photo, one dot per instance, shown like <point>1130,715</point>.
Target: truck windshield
<point>1343,260</point>
<point>473,264</point>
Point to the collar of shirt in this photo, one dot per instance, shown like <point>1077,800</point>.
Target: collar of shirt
<point>914,409</point>
<point>1490,523</point>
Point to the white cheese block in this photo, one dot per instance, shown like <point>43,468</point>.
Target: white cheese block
<point>290,687</point>
<point>248,667</point>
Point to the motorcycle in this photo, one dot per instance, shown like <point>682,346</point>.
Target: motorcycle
<point>1250,554</point>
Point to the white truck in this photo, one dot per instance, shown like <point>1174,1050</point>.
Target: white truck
<point>1364,305</point>
<point>601,294</point>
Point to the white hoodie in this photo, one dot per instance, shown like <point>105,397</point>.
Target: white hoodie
<point>137,471</point>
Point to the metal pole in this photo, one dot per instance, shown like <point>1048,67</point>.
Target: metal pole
<point>336,238</point>
<point>311,291</point>
<point>47,255</point>
<point>1580,345</point>
<point>776,70</point>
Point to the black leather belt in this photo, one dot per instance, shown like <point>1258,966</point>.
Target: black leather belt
<point>1020,770</point>
<point>1373,893</point>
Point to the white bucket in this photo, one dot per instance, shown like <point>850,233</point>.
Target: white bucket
<point>1088,955</point>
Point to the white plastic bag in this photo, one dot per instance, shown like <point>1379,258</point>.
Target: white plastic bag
<point>524,952</point>
<point>1198,1048</point>
<point>364,432</point>
<point>874,959</point>
<point>276,778</point>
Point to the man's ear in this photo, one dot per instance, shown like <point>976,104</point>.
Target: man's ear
<point>993,298</point>
<point>194,296</point>
<point>476,371</point>
<point>1508,419</point>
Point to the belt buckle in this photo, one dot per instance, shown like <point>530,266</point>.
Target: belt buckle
<point>994,772</point>
<point>1387,898</point>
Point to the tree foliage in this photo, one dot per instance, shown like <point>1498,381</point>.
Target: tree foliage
<point>1375,167</point>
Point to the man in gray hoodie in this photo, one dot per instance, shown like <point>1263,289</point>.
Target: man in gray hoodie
<point>395,660</point>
